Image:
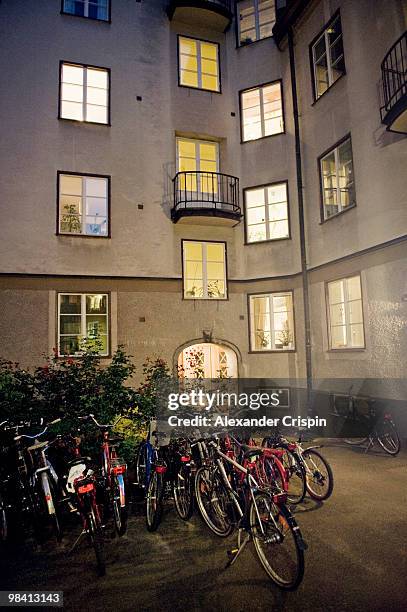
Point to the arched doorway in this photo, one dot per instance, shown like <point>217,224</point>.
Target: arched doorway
<point>207,360</point>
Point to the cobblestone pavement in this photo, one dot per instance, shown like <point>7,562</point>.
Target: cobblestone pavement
<point>356,557</point>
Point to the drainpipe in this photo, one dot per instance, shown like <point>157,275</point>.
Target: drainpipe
<point>304,272</point>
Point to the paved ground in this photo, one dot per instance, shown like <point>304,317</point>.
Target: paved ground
<point>356,560</point>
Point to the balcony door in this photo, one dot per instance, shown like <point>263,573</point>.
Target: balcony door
<point>200,160</point>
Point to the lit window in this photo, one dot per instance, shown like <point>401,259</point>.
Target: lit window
<point>256,19</point>
<point>262,111</point>
<point>267,213</point>
<point>204,270</point>
<point>82,316</point>
<point>345,313</point>
<point>271,322</point>
<point>83,205</point>
<point>199,159</point>
<point>327,57</point>
<point>338,186</point>
<point>93,9</point>
<point>84,93</point>
<point>198,64</point>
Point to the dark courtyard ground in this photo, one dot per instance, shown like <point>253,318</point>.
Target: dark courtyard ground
<point>356,557</point>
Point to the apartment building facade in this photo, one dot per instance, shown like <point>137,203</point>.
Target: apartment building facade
<point>151,194</point>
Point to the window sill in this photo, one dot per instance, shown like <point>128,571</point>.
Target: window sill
<point>253,42</point>
<point>262,137</point>
<point>347,350</point>
<point>272,351</point>
<point>329,89</point>
<point>108,21</point>
<point>63,235</point>
<point>78,122</point>
<point>200,299</point>
<point>212,91</point>
<point>338,214</point>
<point>268,241</point>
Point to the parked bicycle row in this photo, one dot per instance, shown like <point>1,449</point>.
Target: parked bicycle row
<point>44,481</point>
<point>234,484</point>
<point>238,486</point>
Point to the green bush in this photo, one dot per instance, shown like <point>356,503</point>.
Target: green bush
<point>69,388</point>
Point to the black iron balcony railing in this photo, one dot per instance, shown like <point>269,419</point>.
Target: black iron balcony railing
<point>205,194</point>
<point>394,81</point>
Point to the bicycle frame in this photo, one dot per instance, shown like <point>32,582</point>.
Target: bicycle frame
<point>250,484</point>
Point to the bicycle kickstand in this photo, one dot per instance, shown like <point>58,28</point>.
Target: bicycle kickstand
<point>77,541</point>
<point>235,552</point>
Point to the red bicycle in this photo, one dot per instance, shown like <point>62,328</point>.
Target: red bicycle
<point>114,473</point>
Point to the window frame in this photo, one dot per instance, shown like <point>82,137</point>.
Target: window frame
<point>321,187</point>
<point>83,317</point>
<point>214,91</point>
<point>261,86</point>
<point>109,9</point>
<point>206,299</point>
<point>239,44</point>
<point>249,320</point>
<point>246,227</point>
<point>328,315</point>
<point>91,66</point>
<point>312,44</point>
<point>108,215</point>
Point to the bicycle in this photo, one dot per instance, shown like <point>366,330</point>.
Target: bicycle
<point>384,431</point>
<point>172,472</point>
<point>145,458</point>
<point>258,511</point>
<point>31,487</point>
<point>113,473</point>
<point>83,486</point>
<point>310,468</point>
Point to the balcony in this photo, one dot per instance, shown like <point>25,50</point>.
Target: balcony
<point>210,198</point>
<point>394,81</point>
<point>214,14</point>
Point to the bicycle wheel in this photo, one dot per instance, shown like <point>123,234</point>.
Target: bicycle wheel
<point>183,494</point>
<point>119,504</point>
<point>50,504</point>
<point>95,532</point>
<point>141,466</point>
<point>154,508</point>
<point>213,501</point>
<point>277,541</point>
<point>388,438</point>
<point>296,479</point>
<point>320,479</point>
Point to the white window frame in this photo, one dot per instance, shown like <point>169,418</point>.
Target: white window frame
<point>273,332</point>
<point>83,316</point>
<point>328,46</point>
<point>199,63</point>
<point>347,324</point>
<point>205,295</point>
<point>256,12</point>
<point>85,68</point>
<point>267,221</point>
<point>260,88</point>
<point>338,188</point>
<point>86,9</point>
<point>84,178</point>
